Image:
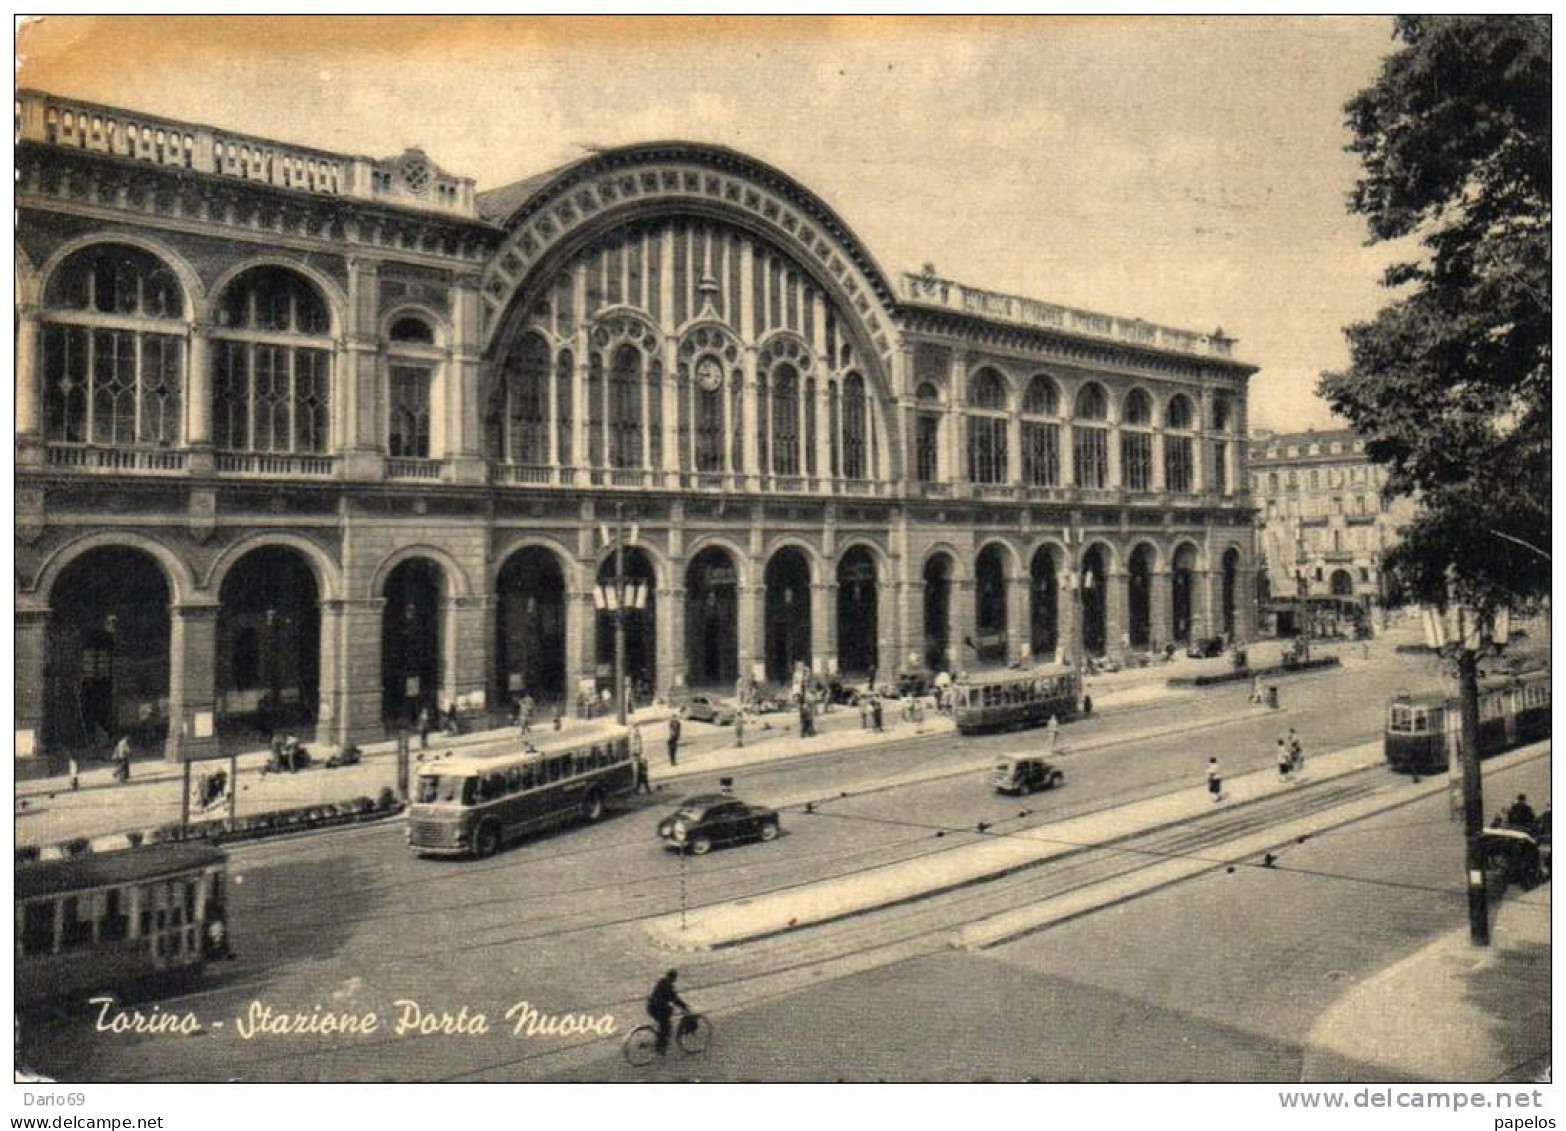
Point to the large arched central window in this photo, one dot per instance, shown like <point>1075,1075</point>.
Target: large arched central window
<point>1136,442</point>
<point>1041,434</point>
<point>785,420</point>
<point>987,426</point>
<point>625,407</point>
<point>1090,437</point>
<point>113,349</point>
<point>1178,446</point>
<point>271,365</point>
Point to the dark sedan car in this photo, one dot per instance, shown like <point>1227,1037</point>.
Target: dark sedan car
<point>701,822</point>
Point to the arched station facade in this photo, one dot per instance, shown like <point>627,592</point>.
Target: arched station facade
<point>299,450</point>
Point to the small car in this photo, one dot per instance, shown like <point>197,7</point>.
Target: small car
<point>708,709</point>
<point>1024,775</point>
<point>1205,647</point>
<point>709,819</point>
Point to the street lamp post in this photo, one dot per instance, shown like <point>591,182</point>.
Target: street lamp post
<point>619,613</point>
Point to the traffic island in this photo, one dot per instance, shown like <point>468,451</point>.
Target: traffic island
<point>1239,674</point>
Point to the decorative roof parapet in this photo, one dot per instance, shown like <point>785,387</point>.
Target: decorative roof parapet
<point>408,180</point>
<point>927,289</point>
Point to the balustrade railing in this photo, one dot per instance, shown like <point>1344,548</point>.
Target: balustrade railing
<point>136,461</point>
<point>276,464</point>
<point>427,469</point>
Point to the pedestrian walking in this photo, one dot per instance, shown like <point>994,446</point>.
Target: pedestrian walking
<point>875,714</point>
<point>1054,733</point>
<point>864,712</point>
<point>1214,780</point>
<point>1285,760</point>
<point>1296,752</point>
<point>75,773</point>
<point>1256,689</point>
<point>424,728</point>
<point>905,708</point>
<point>637,743</point>
<point>918,715</point>
<point>122,759</point>
<point>642,785</point>
<point>739,728</point>
<point>674,740</point>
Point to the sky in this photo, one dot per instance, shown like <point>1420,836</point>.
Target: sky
<point>1188,171</point>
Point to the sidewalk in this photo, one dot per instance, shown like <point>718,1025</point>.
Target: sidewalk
<point>1451,1010</point>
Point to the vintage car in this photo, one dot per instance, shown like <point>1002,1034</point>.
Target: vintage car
<point>703,821</point>
<point>1205,647</point>
<point>709,709</point>
<point>1024,775</point>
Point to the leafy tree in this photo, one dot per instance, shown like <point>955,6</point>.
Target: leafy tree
<point>1450,382</point>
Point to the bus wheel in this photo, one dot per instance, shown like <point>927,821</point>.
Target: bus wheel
<point>593,807</point>
<point>486,842</point>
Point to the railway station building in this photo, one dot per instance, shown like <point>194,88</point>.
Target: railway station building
<point>310,440</point>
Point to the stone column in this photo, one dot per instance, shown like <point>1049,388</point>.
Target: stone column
<point>329,708</point>
<point>1202,607</point>
<point>752,422</point>
<point>959,655</point>
<point>1116,613</point>
<point>1068,618</point>
<point>360,410</point>
<point>198,399</point>
<point>192,683</point>
<point>1158,461</point>
<point>956,461</point>
<point>1116,479</point>
<point>750,601</point>
<point>581,411</point>
<point>29,406</point>
<point>359,680</point>
<point>1160,607</point>
<point>1018,618</point>
<point>824,434</point>
<point>823,626</point>
<point>30,654</point>
<point>467,646</point>
<point>673,665</point>
<point>581,641</point>
<point>1014,453</point>
<point>464,422</point>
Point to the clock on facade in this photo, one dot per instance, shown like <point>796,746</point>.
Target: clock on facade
<point>709,374</point>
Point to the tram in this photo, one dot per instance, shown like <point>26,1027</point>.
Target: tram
<point>1009,699</point>
<point>108,921</point>
<point>1423,731</point>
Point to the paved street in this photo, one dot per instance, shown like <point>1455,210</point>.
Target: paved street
<point>352,922</point>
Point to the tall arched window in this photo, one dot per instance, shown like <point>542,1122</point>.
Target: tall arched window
<point>1178,456</point>
<point>785,420</point>
<point>710,431</point>
<point>413,362</point>
<point>522,403</point>
<point>271,365</point>
<point>1041,434</point>
<point>1136,442</point>
<point>565,380</point>
<point>810,426</point>
<point>987,426</point>
<point>1090,437</point>
<point>625,407</point>
<point>927,440</point>
<point>854,427</point>
<point>113,349</point>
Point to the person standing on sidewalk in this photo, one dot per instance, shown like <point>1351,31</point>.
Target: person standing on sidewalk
<point>1285,760</point>
<point>1054,733</point>
<point>864,712</point>
<point>1296,752</point>
<point>1214,780</point>
<point>424,728</point>
<point>674,739</point>
<point>75,773</point>
<point>739,728</point>
<point>875,714</point>
<point>642,785</point>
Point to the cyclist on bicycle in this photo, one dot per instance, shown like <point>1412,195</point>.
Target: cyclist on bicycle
<point>660,1007</point>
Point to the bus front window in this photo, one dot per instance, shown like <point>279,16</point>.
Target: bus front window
<point>427,785</point>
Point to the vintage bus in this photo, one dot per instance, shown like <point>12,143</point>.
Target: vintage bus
<point>109,921</point>
<point>1007,699</point>
<point>471,805</point>
<point>1424,731</point>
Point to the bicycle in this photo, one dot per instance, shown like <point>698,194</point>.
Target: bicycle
<point>693,1033</point>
